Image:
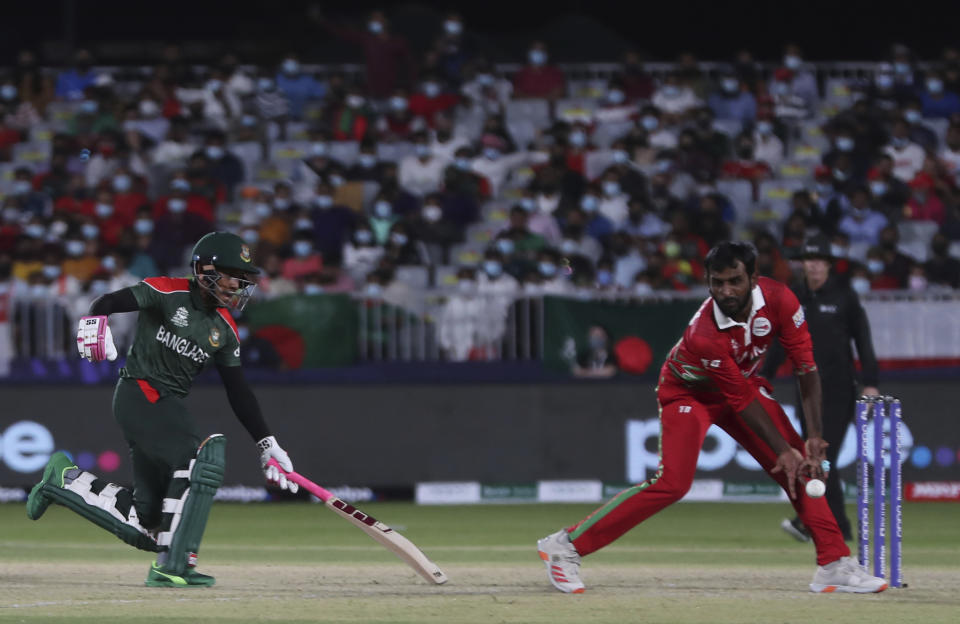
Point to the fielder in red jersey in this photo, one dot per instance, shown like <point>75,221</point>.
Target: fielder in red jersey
<point>710,378</point>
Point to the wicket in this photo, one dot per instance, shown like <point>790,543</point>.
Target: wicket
<point>877,456</point>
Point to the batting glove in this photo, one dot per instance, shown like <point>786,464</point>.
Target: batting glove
<point>269,449</point>
<point>95,340</point>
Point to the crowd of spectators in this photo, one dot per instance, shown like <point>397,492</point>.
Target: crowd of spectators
<point>504,184</point>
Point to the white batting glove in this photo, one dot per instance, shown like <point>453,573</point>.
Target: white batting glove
<point>95,340</point>
<point>269,449</point>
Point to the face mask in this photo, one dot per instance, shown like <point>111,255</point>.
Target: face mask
<point>537,57</point>
<point>35,230</point>
<point>935,85</point>
<point>505,246</point>
<point>568,247</point>
<point>89,106</point>
<point>528,203</point>
<point>214,85</point>
<point>302,248</point>
<point>611,188</point>
<point>22,187</point>
<point>176,205</point>
<point>281,203</point>
<point>731,85</point>
<point>578,138</point>
<point>248,121</point>
<point>792,62</point>
<point>265,84</point>
<point>8,92</point>
<point>382,209</point>
<point>671,91</point>
<point>109,263</point>
<point>663,166</point>
<point>431,89</point>
<point>616,96</point>
<point>898,142</point>
<point>398,239</point>
<point>878,188</point>
<point>354,101</point>
<point>290,67</point>
<point>323,201</point>
<point>148,109</point>
<point>462,163</point>
<point>312,289</point>
<point>143,226</point>
<point>845,144</point>
<point>90,231</point>
<point>839,175</point>
<point>597,342</point>
<point>861,285</point>
<point>180,184</point>
<point>373,289</point>
<point>642,289</point>
<point>363,237</point>
<point>74,248</point>
<point>492,268</point>
<point>122,183</point>
<point>913,116</point>
<point>262,210</point>
<point>453,27</point>
<point>422,151</point>
<point>367,161</point>
<point>51,271</point>
<point>765,128</point>
<point>375,26</point>
<point>491,153</point>
<point>883,81</point>
<point>214,152</point>
<point>650,122</point>
<point>336,180</point>
<point>432,213</point>
<point>303,223</point>
<point>824,189</point>
<point>901,68</point>
<point>250,236</point>
<point>398,104</point>
<point>243,332</point>
<point>59,228</point>
<point>99,287</point>
<point>485,79</point>
<point>875,266</point>
<point>779,88</point>
<point>620,157</point>
<point>547,269</point>
<point>318,149</point>
<point>837,251</point>
<point>588,203</point>
<point>547,204</point>
<point>104,210</point>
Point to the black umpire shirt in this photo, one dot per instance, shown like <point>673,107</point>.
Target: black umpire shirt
<point>834,316</point>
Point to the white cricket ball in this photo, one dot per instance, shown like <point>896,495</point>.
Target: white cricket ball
<point>816,488</point>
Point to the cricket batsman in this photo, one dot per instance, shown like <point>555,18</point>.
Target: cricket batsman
<point>184,325</point>
<point>710,378</point>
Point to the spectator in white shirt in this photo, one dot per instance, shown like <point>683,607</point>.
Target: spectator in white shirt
<point>861,223</point>
<point>803,83</point>
<point>659,136</point>
<point>950,153</point>
<point>768,147</point>
<point>219,105</point>
<point>907,156</point>
<point>443,142</point>
<point>674,98</point>
<point>576,243</point>
<point>237,82</point>
<point>487,92</point>
<point>421,173</point>
<point>613,201</point>
<point>496,166</point>
<point>174,151</point>
<point>361,254</point>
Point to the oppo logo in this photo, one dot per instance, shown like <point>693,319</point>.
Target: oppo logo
<point>26,446</point>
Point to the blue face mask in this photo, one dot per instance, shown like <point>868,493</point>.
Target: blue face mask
<point>616,96</point>
<point>243,332</point>
<point>180,184</point>
<point>302,248</point>
<point>604,277</point>
<point>779,88</point>
<point>935,85</point>
<point>611,188</point>
<point>901,68</point>
<point>650,122</point>
<point>845,144</point>
<point>398,239</point>
<point>398,103</point>
<point>431,89</point>
<point>35,230</point>
<point>323,201</point>
<point>462,163</point>
<point>382,209</point>
<point>103,210</point>
<point>875,266</point>
<point>143,226</point>
<point>528,203</point>
<point>318,149</point>
<point>250,236</point>
<point>547,269</point>
<point>122,183</point>
<point>731,85</point>
<point>108,263</point>
<point>568,247</point>
<point>373,290</point>
<point>492,268</point>
<point>765,128</point>
<point>588,203</point>
<point>878,188</point>
<point>312,289</point>
<point>363,237</point>
<point>505,246</point>
<point>89,106</point>
<point>90,230</point>
<point>22,187</point>
<point>792,62</point>
<point>51,271</point>
<point>262,210</point>
<point>290,67</point>
<point>265,84</point>
<point>303,223</point>
<point>214,152</point>
<point>913,116</point>
<point>375,26</point>
<point>538,57</point>
<point>336,180</point>
<point>8,92</point>
<point>176,205</point>
<point>883,81</point>
<point>491,153</point>
<point>74,248</point>
<point>485,79</point>
<point>421,150</point>
<point>367,161</point>
<point>578,138</point>
<point>620,157</point>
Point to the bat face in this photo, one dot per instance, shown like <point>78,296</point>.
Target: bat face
<point>358,515</point>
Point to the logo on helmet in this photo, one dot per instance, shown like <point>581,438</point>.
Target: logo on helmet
<point>244,253</point>
<point>214,337</point>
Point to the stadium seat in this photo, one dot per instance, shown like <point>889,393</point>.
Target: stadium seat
<point>606,133</point>
<point>344,151</point>
<point>413,276</point>
<point>536,112</point>
<point>394,151</point>
<point>285,155</point>
<point>917,231</point>
<point>32,153</point>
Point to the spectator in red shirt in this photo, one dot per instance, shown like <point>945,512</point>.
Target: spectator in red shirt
<point>398,122</point>
<point>637,84</point>
<point>388,57</point>
<point>746,167</point>
<point>103,210</point>
<point>924,204</point>
<point>181,199</point>
<point>350,118</point>
<point>431,99</point>
<point>130,193</point>
<point>537,79</point>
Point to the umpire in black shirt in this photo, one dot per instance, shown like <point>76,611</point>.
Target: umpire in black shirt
<point>835,318</point>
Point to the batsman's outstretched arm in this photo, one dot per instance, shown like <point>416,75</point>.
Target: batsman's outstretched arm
<point>118,301</point>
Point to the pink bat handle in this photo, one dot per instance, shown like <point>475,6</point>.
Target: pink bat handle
<point>303,482</point>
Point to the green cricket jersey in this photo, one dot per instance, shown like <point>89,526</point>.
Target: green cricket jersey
<point>178,335</point>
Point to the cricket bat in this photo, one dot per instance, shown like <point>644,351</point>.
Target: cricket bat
<point>381,533</point>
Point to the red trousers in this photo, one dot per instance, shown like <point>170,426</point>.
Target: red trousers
<point>684,422</point>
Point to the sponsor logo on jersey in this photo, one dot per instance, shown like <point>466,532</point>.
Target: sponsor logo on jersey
<point>798,317</point>
<point>710,363</point>
<point>214,337</point>
<point>761,326</point>
<point>829,309</point>
<point>244,253</point>
<point>183,346</point>
<point>180,318</point>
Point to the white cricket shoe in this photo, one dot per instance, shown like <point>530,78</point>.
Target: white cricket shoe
<point>562,561</point>
<point>846,575</point>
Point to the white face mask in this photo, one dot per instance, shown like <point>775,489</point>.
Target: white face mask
<point>861,285</point>
<point>547,203</point>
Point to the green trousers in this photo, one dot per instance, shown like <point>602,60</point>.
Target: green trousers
<point>162,437</point>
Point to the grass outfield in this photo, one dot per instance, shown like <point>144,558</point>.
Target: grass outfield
<point>695,562</point>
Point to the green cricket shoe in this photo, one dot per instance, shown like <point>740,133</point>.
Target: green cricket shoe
<point>156,577</point>
<point>38,502</point>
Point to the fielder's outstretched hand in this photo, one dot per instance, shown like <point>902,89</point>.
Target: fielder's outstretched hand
<point>269,449</point>
<point>816,464</point>
<point>789,463</point>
